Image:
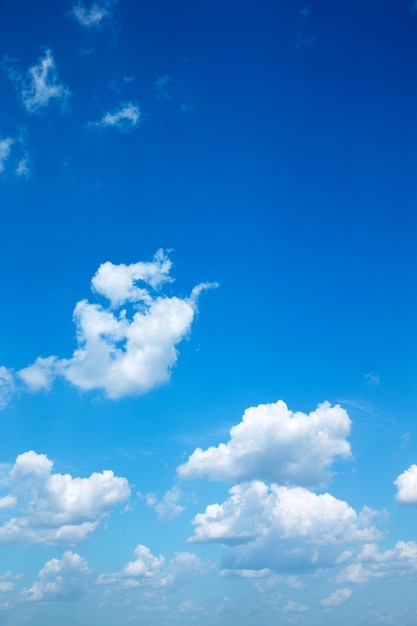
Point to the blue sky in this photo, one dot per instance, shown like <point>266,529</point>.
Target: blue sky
<point>208,332</point>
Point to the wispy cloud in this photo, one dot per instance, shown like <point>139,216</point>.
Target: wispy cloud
<point>373,378</point>
<point>168,507</point>
<point>14,157</point>
<point>125,118</point>
<point>40,86</point>
<point>5,150</point>
<point>337,598</point>
<point>96,16</point>
<point>301,38</point>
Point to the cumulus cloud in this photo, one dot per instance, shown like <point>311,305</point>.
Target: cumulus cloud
<point>121,353</point>
<point>406,484</point>
<point>156,573</point>
<point>56,508</point>
<point>337,598</point>
<point>125,118</point>
<point>281,528</point>
<point>168,507</point>
<point>96,16</point>
<point>65,579</point>
<point>272,443</point>
<point>371,563</point>
<point>41,85</point>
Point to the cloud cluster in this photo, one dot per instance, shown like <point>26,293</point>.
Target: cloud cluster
<point>274,444</point>
<point>96,16</point>
<point>370,563</point>
<point>125,118</point>
<point>41,85</point>
<point>119,352</point>
<point>282,528</point>
<point>56,508</point>
<point>65,579</point>
<point>156,573</point>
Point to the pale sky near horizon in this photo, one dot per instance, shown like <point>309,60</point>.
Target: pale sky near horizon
<point>208,334</point>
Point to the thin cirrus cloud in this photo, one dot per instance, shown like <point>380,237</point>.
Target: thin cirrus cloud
<point>155,573</point>
<point>96,16</point>
<point>119,352</point>
<point>283,529</point>
<point>274,444</point>
<point>46,507</point>
<point>64,579</point>
<point>40,86</point>
<point>125,118</point>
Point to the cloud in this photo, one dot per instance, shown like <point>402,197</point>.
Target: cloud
<point>168,507</point>
<point>14,156</point>
<point>5,149</point>
<point>64,579</point>
<point>56,508</point>
<point>97,16</point>
<point>406,484</point>
<point>370,563</point>
<point>294,607</point>
<point>123,354</point>
<point>163,88</point>
<point>272,443</point>
<point>372,378</point>
<point>40,86</point>
<point>125,118</point>
<point>6,387</point>
<point>156,573</point>
<point>337,598</point>
<point>284,529</point>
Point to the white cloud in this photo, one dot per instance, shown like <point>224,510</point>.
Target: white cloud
<point>42,85</point>
<point>337,598</point>
<point>41,374</point>
<point>372,378</point>
<point>120,353</point>
<point>57,508</point>
<point>96,16</point>
<point>370,563</point>
<point>294,607</point>
<point>406,484</point>
<point>6,387</point>
<point>5,149</point>
<point>125,118</point>
<point>156,573</point>
<point>65,579</point>
<point>281,528</point>
<point>272,443</point>
<point>168,507</point>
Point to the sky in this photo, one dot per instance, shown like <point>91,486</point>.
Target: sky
<point>208,330</point>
